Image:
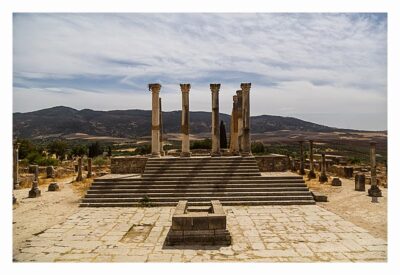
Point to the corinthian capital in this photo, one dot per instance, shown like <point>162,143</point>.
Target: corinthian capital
<point>215,87</point>
<point>245,86</point>
<point>154,87</point>
<point>185,87</point>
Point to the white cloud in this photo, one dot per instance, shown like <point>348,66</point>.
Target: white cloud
<point>336,58</point>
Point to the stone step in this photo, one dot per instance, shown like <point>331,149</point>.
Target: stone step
<point>184,190</point>
<point>225,203</point>
<point>208,168</point>
<point>199,184</point>
<point>198,198</point>
<point>261,178</point>
<point>190,193</point>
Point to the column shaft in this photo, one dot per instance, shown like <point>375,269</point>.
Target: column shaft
<point>246,142</point>
<point>301,171</point>
<point>155,119</point>
<point>162,153</point>
<point>185,152</point>
<point>239,94</point>
<point>215,142</point>
<point>234,142</point>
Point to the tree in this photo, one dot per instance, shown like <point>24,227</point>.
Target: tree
<point>95,150</point>
<point>222,135</point>
<point>109,151</point>
<point>257,147</point>
<point>58,147</point>
<point>25,148</point>
<point>79,150</point>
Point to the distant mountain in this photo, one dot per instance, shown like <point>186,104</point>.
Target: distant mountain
<point>61,121</point>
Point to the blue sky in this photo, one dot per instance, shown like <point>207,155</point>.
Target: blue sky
<point>326,68</point>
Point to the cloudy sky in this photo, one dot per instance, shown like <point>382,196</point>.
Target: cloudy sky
<point>325,68</point>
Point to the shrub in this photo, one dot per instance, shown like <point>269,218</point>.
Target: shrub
<point>95,150</point>
<point>99,161</point>
<point>79,150</point>
<point>143,149</point>
<point>257,148</point>
<point>201,144</point>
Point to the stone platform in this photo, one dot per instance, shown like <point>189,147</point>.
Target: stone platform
<point>297,233</point>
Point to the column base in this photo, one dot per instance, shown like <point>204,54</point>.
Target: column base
<point>323,178</point>
<point>53,187</point>
<point>302,172</point>
<point>155,155</point>
<point>311,175</point>
<point>235,153</point>
<point>374,191</point>
<point>79,178</point>
<point>162,153</point>
<point>246,154</point>
<point>186,154</point>
<point>215,154</point>
<point>34,193</point>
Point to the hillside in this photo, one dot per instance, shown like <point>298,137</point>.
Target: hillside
<point>61,121</point>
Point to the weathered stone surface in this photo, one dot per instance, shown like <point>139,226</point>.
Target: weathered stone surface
<point>89,168</point>
<point>155,119</point>
<point>215,142</point>
<point>359,182</point>
<point>272,163</point>
<point>128,165</point>
<point>318,197</point>
<point>336,182</point>
<point>246,140</point>
<point>185,122</point>
<point>198,227</point>
<point>53,187</point>
<point>50,173</point>
<point>311,173</point>
<point>79,176</point>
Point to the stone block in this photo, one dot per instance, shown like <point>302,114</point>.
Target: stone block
<point>53,187</point>
<point>34,193</point>
<point>336,182</point>
<point>319,197</point>
<point>359,182</point>
<point>216,222</point>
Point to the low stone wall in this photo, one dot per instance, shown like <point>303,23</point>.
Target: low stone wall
<point>128,165</point>
<point>273,163</point>
<point>342,171</point>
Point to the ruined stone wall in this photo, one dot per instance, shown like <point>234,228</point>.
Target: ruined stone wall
<point>128,165</point>
<point>272,163</point>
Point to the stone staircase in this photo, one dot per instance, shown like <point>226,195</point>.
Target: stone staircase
<point>165,181</point>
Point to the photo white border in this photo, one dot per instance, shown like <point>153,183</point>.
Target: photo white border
<point>8,7</point>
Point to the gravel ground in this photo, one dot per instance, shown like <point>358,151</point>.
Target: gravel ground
<point>355,206</point>
<point>32,216</point>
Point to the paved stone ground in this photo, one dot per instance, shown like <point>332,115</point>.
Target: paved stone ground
<point>260,234</point>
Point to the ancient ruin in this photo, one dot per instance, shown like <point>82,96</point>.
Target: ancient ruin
<point>35,191</point>
<point>155,119</point>
<point>185,151</point>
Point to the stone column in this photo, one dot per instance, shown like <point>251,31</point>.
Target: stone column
<point>16,166</point>
<point>215,142</point>
<point>301,170</point>
<point>374,191</point>
<point>239,94</point>
<point>311,174</point>
<point>155,119</point>
<point>185,150</point>
<point>162,152</point>
<point>323,177</point>
<point>246,142</point>
<point>89,168</point>
<point>234,142</point>
<point>79,177</point>
<point>35,191</point>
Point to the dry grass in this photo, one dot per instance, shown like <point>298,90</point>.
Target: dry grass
<point>80,187</point>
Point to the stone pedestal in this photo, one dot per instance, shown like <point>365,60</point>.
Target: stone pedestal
<point>359,182</point>
<point>234,141</point>
<point>50,173</point>
<point>311,174</point>
<point>79,177</point>
<point>374,191</point>
<point>185,152</point>
<point>246,141</point>
<point>199,226</point>
<point>239,110</point>
<point>14,199</point>
<point>89,168</point>
<point>323,177</point>
<point>155,119</point>
<point>301,170</point>
<point>215,142</point>
<point>35,191</point>
<point>162,152</point>
<point>53,187</point>
<point>16,166</point>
